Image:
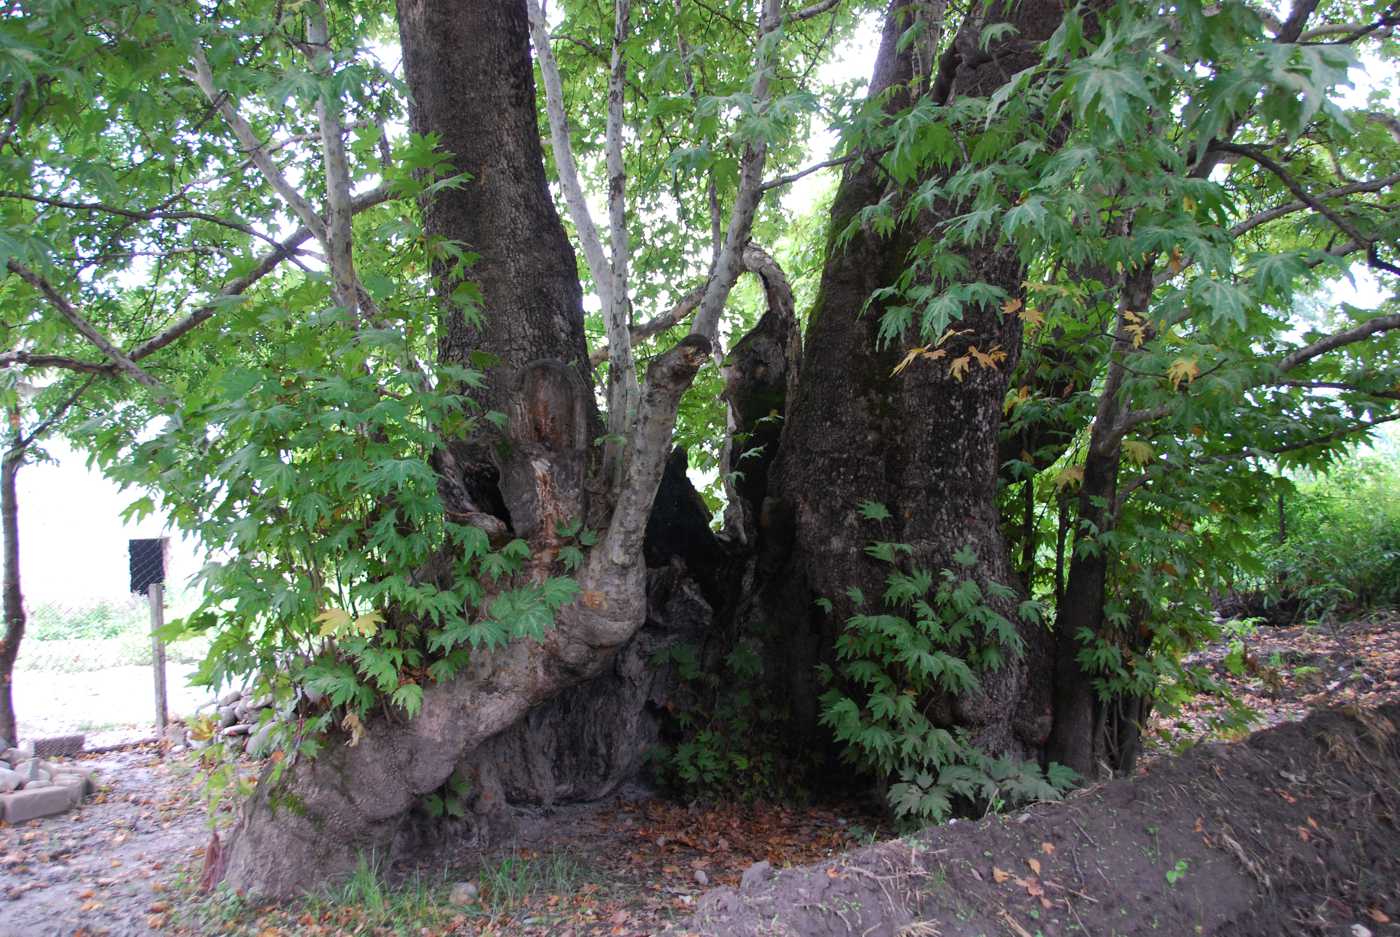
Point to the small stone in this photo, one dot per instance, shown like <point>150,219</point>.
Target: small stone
<point>701,878</point>
<point>261,742</point>
<point>227,716</point>
<point>231,697</point>
<point>755,874</point>
<point>10,780</point>
<point>241,728</point>
<point>37,783</point>
<point>462,894</point>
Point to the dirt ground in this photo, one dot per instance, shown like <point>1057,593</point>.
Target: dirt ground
<point>127,862</point>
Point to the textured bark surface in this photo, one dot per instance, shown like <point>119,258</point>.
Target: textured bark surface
<point>13,605</point>
<point>583,744</point>
<point>922,443</point>
<point>469,67</point>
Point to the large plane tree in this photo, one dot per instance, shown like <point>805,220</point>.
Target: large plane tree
<point>331,314</point>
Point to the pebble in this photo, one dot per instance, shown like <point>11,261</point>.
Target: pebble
<point>463,893</point>
<point>701,878</point>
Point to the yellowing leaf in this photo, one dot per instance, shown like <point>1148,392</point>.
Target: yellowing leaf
<point>1188,203</point>
<point>958,367</point>
<point>1012,402</point>
<point>1000,875</point>
<point>989,358</point>
<point>1048,848</point>
<point>352,724</point>
<point>1137,451</point>
<point>1011,305</point>
<point>333,620</point>
<point>368,624</point>
<point>1177,262</point>
<point>1182,369</point>
<point>1074,475</point>
<point>1032,317</point>
<point>923,351</point>
<point>908,359</point>
<point>1034,865</point>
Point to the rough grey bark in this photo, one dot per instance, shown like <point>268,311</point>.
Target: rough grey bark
<point>468,66</point>
<point>922,442</point>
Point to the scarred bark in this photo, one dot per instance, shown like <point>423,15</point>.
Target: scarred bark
<point>469,67</point>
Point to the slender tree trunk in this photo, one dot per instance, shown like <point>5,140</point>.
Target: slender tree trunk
<point>1075,738</point>
<point>13,599</point>
<point>922,443</point>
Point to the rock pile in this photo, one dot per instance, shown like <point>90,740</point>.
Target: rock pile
<point>242,721</point>
<point>31,787</point>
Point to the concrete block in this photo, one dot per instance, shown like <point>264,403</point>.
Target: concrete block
<point>31,804</point>
<point>75,783</point>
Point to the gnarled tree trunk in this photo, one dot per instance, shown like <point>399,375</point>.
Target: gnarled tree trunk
<point>468,66</point>
<point>922,442</point>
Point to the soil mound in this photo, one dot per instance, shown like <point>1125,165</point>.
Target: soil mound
<point>1293,831</point>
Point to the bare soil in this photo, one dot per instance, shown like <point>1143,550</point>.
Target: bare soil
<point>1291,832</point>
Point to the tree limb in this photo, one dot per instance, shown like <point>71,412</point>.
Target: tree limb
<point>623,388</point>
<point>141,214</point>
<point>1313,202</point>
<point>338,243</point>
<point>243,132</point>
<point>88,330</point>
<point>1323,345</point>
<point>657,324</point>
<point>729,262</point>
<point>574,201</point>
<point>816,9</point>
<point>815,167</point>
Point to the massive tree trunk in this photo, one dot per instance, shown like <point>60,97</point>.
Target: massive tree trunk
<point>468,67</point>
<point>922,443</point>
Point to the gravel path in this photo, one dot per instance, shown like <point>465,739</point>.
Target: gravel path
<point>104,868</point>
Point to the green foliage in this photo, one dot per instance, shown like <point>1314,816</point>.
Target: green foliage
<point>1341,550</point>
<point>931,640</point>
<point>726,743</point>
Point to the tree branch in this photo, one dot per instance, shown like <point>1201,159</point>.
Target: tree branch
<point>1338,385</point>
<point>667,379</point>
<point>243,132</point>
<point>1316,204</point>
<point>338,243</point>
<point>815,167</point>
<point>87,330</point>
<point>1323,345</point>
<point>623,389</point>
<point>816,9</point>
<point>729,262</point>
<point>574,201</point>
<point>240,285</point>
<point>137,214</point>
<point>657,324</point>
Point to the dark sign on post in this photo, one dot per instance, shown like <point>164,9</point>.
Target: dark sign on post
<point>147,562</point>
<point>147,559</point>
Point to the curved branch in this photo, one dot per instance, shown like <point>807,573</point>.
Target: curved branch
<point>87,329</point>
<point>657,324</point>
